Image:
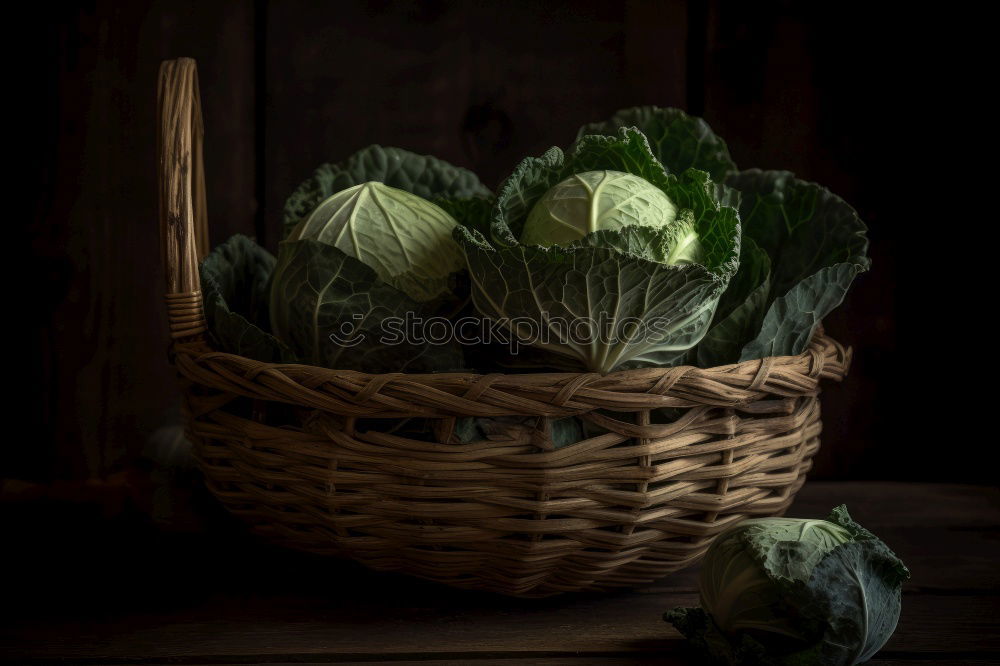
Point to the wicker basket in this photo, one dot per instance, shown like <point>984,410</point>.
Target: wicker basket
<point>294,450</point>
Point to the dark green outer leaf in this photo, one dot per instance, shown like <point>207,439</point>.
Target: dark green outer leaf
<point>741,310</point>
<point>318,290</point>
<point>852,592</point>
<point>754,272</point>
<point>841,517</point>
<point>817,246</point>
<point>473,212</point>
<point>422,175</point>
<point>789,549</point>
<point>802,226</point>
<point>677,140</point>
<point>532,178</point>
<point>234,280</point>
<point>791,321</point>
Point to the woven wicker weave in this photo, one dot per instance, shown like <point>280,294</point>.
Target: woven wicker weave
<point>295,451</point>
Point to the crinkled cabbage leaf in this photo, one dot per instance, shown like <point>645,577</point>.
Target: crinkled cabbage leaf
<point>679,141</point>
<point>422,175</point>
<point>335,311</point>
<point>817,246</point>
<point>234,282</point>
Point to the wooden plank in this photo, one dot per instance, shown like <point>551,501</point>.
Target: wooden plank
<point>947,554</point>
<point>102,381</point>
<point>931,626</point>
<point>656,45</point>
<point>782,87</point>
<point>448,79</point>
<point>946,534</point>
<point>881,504</point>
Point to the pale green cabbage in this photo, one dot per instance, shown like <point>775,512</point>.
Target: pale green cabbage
<point>405,239</point>
<point>369,241</point>
<point>595,200</point>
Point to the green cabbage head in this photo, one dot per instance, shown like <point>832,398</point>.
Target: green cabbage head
<point>404,238</point>
<point>601,259</point>
<point>597,200</point>
<point>369,241</point>
<point>788,591</point>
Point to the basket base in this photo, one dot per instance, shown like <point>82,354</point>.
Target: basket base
<point>607,512</point>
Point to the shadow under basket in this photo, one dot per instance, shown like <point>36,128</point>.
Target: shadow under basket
<point>326,461</point>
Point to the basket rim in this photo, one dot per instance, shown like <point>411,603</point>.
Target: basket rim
<point>357,394</point>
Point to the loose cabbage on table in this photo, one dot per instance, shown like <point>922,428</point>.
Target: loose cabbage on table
<point>791,592</point>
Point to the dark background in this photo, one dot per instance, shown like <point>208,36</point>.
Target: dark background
<point>826,90</point>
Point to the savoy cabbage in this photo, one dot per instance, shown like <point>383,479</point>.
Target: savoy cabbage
<point>368,241</point>
<point>791,592</point>
<point>638,305</point>
<point>802,245</point>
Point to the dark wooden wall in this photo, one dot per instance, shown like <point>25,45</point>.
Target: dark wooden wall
<point>287,85</point>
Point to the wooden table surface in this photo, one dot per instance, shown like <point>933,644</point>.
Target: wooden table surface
<point>205,601</point>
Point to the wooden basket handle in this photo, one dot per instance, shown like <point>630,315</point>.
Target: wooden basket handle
<point>183,213</point>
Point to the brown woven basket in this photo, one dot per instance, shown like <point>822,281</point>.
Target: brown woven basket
<point>294,450</point>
